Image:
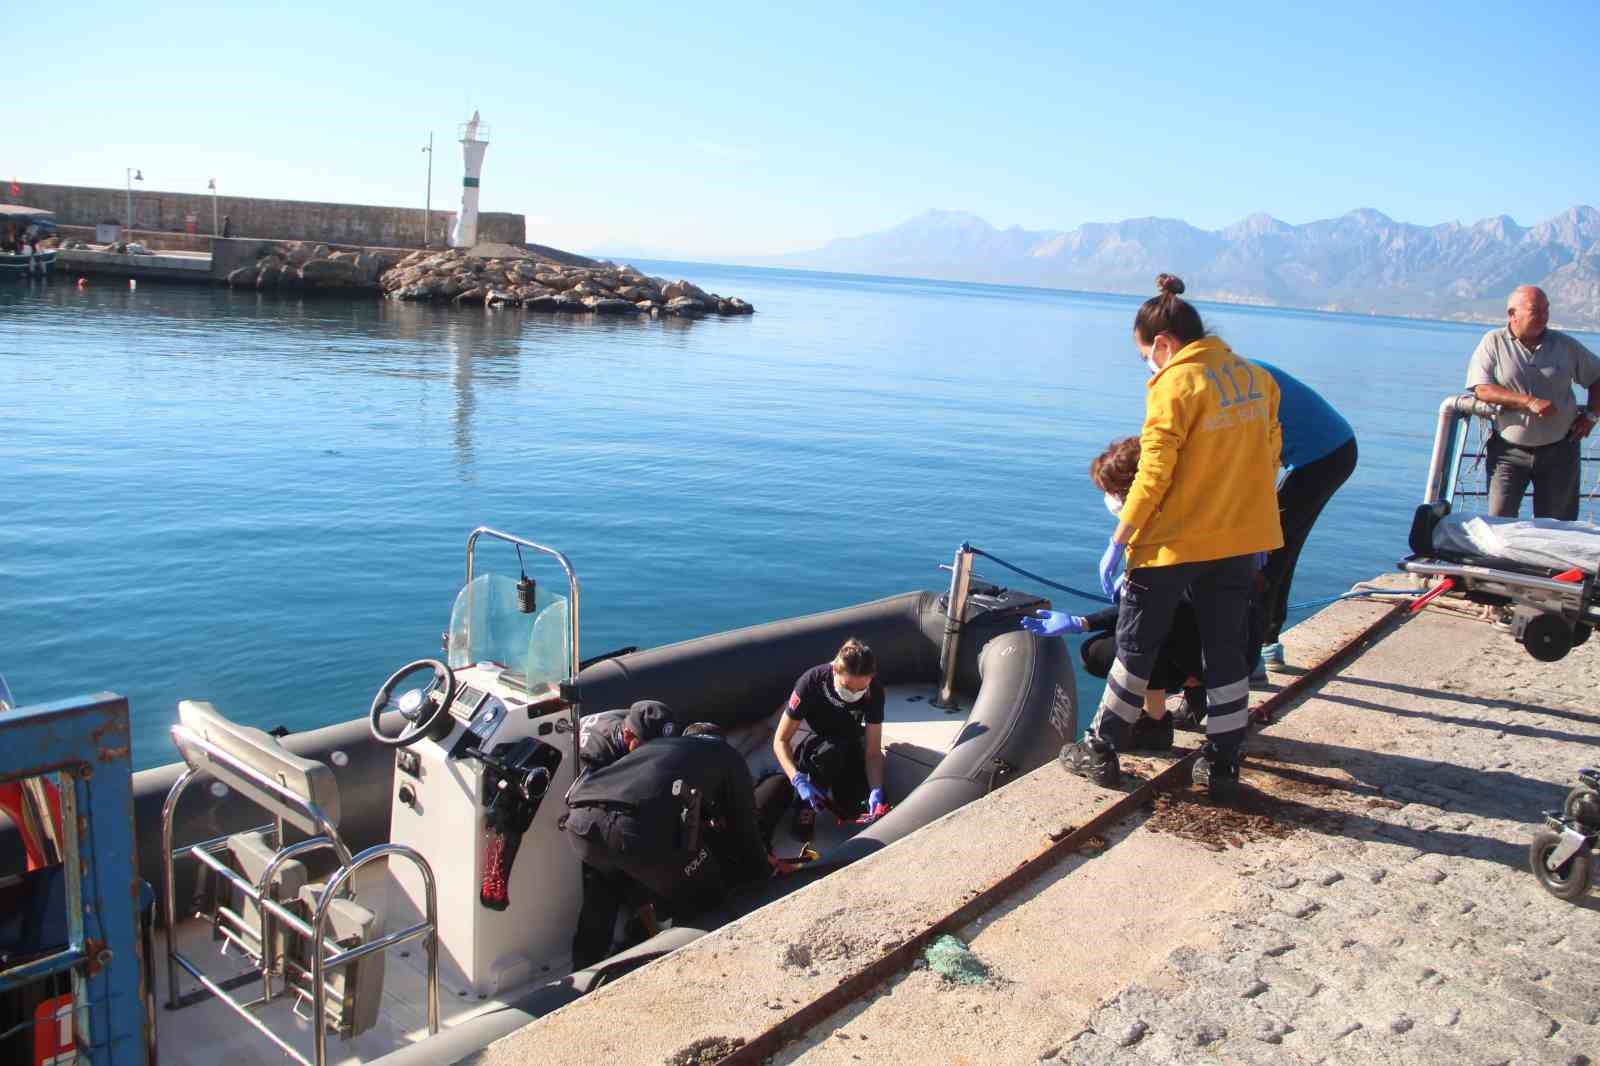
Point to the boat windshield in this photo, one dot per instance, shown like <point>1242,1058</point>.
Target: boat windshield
<point>535,649</point>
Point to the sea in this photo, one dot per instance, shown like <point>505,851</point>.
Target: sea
<point>263,500</point>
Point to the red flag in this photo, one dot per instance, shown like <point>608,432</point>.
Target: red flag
<point>16,190</point>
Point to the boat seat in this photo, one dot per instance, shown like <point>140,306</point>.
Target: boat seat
<point>252,853</point>
<point>308,779</point>
<point>355,991</point>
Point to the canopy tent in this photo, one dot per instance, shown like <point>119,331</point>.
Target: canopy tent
<point>19,213</point>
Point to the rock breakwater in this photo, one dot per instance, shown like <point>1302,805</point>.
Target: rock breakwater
<point>460,277</point>
<point>309,265</point>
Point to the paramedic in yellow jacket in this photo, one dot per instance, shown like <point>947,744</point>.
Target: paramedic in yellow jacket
<point>1202,506</point>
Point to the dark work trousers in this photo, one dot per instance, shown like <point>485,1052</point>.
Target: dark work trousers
<point>1554,470</point>
<point>1305,491</point>
<point>838,765</point>
<point>1220,590</point>
<point>682,885</point>
<point>1179,659</point>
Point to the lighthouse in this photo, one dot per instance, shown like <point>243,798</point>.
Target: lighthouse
<point>474,140</point>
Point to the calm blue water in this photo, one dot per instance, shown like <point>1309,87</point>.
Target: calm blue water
<point>263,502</point>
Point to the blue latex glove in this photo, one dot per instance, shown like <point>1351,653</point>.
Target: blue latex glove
<point>1261,560</point>
<point>1110,564</point>
<point>808,792</point>
<point>1054,623</point>
<point>876,808</point>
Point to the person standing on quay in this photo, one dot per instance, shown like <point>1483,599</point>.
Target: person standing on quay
<point>1529,370</point>
<point>1202,509</point>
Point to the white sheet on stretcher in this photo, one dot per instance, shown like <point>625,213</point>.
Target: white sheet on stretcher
<point>1532,542</point>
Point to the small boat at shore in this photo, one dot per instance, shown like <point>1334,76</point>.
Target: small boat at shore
<point>20,255</point>
<point>404,878</point>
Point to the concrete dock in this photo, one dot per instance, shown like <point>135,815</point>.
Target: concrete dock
<point>1368,902</point>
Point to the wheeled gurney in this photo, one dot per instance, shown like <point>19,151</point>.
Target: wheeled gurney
<point>1543,569</point>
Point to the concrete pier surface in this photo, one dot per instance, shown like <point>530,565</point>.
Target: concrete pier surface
<point>1367,902</point>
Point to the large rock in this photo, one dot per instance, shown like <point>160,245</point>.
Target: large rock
<point>568,302</point>
<point>268,276</point>
<point>243,277</point>
<point>683,288</point>
<point>685,307</point>
<point>737,306</point>
<point>610,305</point>
<point>329,273</point>
<point>558,282</point>
<point>542,302</point>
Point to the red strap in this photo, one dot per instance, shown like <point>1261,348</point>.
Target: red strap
<point>1432,594</point>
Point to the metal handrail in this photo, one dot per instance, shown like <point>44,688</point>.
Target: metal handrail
<point>430,923</point>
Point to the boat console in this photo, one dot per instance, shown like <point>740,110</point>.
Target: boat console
<point>487,737</point>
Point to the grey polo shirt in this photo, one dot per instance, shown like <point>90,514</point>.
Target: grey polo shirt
<point>1548,372</point>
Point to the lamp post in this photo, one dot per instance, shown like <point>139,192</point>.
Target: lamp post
<point>427,209</point>
<point>216,230</point>
<point>133,174</point>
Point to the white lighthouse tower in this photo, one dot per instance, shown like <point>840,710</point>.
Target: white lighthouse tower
<point>474,141</point>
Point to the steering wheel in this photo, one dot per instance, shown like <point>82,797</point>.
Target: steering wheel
<point>421,707</point>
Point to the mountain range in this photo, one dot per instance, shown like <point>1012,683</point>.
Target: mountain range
<point>1363,261</point>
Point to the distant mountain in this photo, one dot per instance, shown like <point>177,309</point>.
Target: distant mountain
<point>1362,261</point>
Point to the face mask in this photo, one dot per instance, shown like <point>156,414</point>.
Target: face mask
<point>849,695</point>
<point>1150,361</point>
<point>1113,504</point>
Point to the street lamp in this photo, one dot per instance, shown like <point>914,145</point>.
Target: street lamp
<point>133,174</point>
<point>427,209</point>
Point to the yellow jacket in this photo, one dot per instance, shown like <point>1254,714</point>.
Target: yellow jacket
<point>1208,461</point>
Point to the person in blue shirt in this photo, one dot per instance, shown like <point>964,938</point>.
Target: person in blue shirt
<point>1319,453</point>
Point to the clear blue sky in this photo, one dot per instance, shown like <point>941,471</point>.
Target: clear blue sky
<point>725,130</point>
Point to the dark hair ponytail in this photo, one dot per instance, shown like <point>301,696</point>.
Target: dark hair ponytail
<point>1168,314</point>
<point>856,659</point>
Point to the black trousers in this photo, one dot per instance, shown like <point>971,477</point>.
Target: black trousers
<point>1220,590</point>
<point>838,765</point>
<point>1554,470</point>
<point>1180,657</point>
<point>683,884</point>
<point>1302,496</point>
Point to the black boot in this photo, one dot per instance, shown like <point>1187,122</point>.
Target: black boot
<point>1094,759</point>
<point>1218,774</point>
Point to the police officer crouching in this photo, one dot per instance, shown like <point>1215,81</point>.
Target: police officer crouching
<point>672,822</point>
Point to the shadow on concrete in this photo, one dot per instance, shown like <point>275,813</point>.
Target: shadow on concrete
<point>1293,785</point>
<point>1511,727</point>
<point>1456,696</point>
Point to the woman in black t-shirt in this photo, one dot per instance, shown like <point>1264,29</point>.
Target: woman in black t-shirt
<point>838,761</point>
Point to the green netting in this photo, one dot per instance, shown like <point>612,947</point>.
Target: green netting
<point>950,959</point>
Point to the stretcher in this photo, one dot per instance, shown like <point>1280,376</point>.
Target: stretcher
<point>1543,569</point>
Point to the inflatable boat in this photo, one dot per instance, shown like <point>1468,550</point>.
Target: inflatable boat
<point>404,879</point>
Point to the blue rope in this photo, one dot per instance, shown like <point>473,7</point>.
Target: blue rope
<point>1095,596</point>
<point>1098,598</point>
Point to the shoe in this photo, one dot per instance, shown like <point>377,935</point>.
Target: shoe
<point>1191,717</point>
<point>1151,734</point>
<point>1258,672</point>
<point>1272,654</point>
<point>1094,759</point>
<point>1217,774</point>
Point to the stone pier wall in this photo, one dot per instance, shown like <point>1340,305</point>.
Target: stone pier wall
<point>303,220</point>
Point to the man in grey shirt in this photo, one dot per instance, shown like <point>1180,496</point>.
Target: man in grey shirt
<point>1529,371</point>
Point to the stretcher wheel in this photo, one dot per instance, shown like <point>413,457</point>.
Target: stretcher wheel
<point>1580,633</point>
<point>1547,637</point>
<point>1582,805</point>
<point>1569,882</point>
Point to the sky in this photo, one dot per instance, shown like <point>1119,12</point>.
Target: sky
<point>735,131</point>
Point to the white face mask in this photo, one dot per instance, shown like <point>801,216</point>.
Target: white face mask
<point>1150,360</point>
<point>1113,504</point>
<point>847,694</point>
